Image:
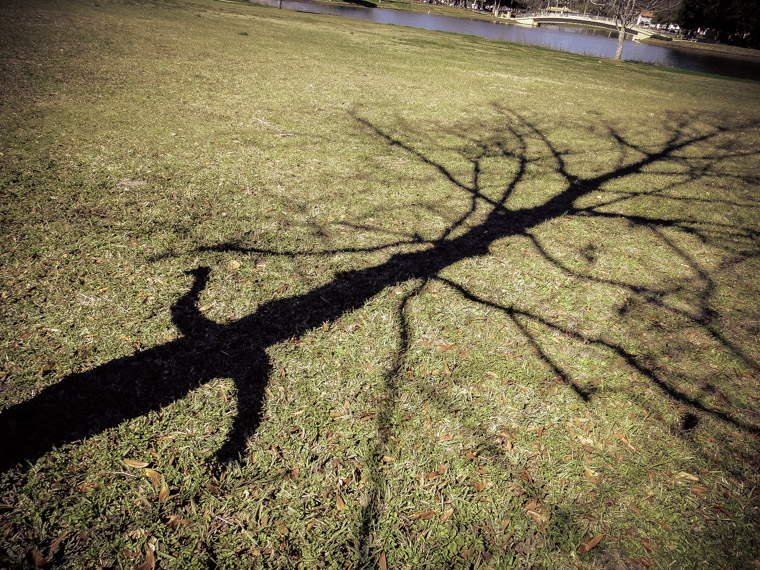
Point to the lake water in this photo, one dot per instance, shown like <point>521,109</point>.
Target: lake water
<point>572,39</point>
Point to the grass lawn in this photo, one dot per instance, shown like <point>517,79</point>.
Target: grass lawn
<point>414,6</point>
<point>281,290</point>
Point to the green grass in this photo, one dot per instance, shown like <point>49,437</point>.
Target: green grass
<point>475,303</point>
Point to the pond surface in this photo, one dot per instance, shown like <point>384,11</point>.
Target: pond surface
<point>574,39</point>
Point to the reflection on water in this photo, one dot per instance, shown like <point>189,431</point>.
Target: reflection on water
<point>582,40</point>
<point>585,30</point>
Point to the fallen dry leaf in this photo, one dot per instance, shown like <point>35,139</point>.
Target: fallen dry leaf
<point>387,459</point>
<point>721,509</point>
<point>382,562</point>
<point>540,519</point>
<point>592,476</point>
<point>154,476</point>
<point>135,463</point>
<point>424,515</point>
<point>163,494</point>
<point>635,508</point>
<point>589,544</point>
<point>150,561</point>
<point>38,560</point>
<point>339,502</point>
<point>86,487</point>
<point>683,476</point>
<point>174,521</point>
<point>525,476</point>
<point>447,515</point>
<point>56,545</point>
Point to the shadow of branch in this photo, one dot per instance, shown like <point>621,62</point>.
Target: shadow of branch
<point>86,403</point>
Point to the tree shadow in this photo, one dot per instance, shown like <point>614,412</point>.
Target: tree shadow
<point>83,404</point>
<point>736,243</point>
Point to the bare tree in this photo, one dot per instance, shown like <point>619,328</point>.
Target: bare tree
<point>625,13</point>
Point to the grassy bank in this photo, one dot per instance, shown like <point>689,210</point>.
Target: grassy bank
<point>418,6</point>
<point>282,290</point>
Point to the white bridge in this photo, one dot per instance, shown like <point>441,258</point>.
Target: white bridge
<point>576,19</point>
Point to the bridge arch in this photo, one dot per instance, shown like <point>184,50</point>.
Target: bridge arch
<point>577,19</point>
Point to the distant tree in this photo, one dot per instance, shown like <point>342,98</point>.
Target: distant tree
<point>535,4</point>
<point>626,12</point>
<point>733,21</point>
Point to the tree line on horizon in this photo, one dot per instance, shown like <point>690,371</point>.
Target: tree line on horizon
<point>734,22</point>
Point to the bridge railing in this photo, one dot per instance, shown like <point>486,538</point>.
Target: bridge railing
<point>583,15</point>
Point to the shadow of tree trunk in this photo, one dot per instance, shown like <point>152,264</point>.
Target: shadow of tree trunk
<point>84,404</point>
